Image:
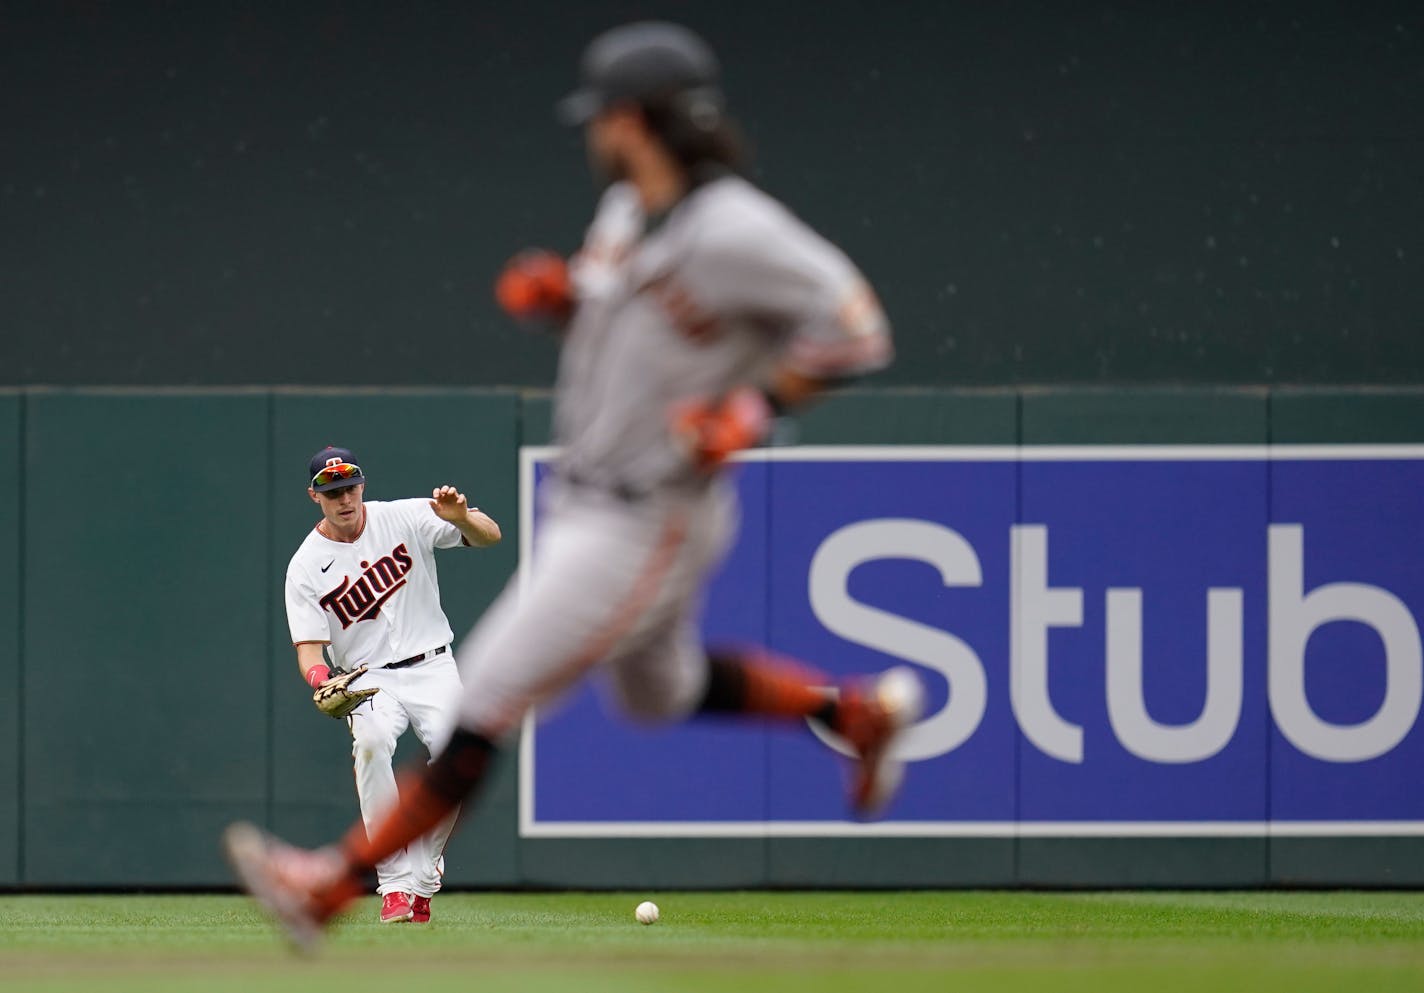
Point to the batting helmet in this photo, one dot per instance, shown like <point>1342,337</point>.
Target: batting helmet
<point>647,63</point>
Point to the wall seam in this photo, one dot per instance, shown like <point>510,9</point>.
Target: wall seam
<point>21,459</point>
<point>269,688</point>
<point>1266,874</point>
<point>769,532</point>
<point>521,438</point>
<point>1016,861</point>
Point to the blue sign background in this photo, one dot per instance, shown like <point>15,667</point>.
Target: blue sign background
<point>1173,529</point>
<point>811,500</point>
<point>1364,523</point>
<point>592,764</point>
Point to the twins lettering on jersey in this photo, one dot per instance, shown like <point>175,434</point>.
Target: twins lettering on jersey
<point>363,599</point>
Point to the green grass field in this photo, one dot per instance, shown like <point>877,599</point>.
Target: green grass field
<point>740,942</point>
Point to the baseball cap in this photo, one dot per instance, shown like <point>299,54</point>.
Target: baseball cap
<point>637,63</point>
<point>336,463</point>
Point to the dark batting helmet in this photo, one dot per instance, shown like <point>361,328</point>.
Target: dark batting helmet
<point>649,63</point>
<point>673,76</point>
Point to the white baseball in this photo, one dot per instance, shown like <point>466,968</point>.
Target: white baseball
<point>647,912</point>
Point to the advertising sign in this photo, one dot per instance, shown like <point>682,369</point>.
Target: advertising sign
<point>1115,641</point>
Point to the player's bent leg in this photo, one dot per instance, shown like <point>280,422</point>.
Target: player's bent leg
<point>662,677</point>
<point>428,798</point>
<point>428,862</point>
<point>420,906</point>
<point>756,681</point>
<point>431,694</point>
<point>869,714</point>
<point>599,582</point>
<point>304,889</point>
<point>375,729</point>
<point>285,881</point>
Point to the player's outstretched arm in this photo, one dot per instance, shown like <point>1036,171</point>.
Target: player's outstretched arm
<point>477,527</point>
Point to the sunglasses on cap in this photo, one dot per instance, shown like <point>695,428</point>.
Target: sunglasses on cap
<point>344,470</point>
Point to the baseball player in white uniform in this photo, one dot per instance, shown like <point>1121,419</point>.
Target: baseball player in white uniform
<point>362,591</point>
<point>697,309</point>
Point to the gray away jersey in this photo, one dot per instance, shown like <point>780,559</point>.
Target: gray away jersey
<point>730,285</point>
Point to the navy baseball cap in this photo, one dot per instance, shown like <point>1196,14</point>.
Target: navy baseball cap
<point>334,469</point>
<point>638,63</point>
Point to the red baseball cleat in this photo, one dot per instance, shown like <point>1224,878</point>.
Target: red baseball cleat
<point>301,889</point>
<point>420,910</point>
<point>395,908</point>
<point>870,716</point>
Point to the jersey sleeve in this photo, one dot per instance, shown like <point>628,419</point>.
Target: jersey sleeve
<point>776,271</point>
<point>436,533</point>
<point>305,619</point>
<point>617,223</point>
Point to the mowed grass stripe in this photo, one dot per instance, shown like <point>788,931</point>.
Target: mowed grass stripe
<point>746,942</point>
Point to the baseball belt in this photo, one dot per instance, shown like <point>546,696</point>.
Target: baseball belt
<point>419,658</point>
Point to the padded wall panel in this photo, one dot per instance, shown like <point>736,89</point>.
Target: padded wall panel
<point>11,599</point>
<point>145,571</point>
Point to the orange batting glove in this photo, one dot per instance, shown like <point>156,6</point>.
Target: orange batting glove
<point>535,286</point>
<point>714,429</point>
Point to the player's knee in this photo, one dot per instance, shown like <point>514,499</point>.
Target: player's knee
<point>650,703</point>
<point>461,765</point>
<point>371,745</point>
<point>372,756</point>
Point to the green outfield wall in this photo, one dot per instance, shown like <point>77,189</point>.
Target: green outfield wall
<point>1087,193</point>
<point>143,540</point>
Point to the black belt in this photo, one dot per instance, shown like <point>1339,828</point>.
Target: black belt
<point>419,658</point>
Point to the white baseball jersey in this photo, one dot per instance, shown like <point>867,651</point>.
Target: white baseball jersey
<point>376,599</point>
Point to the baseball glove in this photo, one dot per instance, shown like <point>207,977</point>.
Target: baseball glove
<point>534,286</point>
<point>335,698</point>
<point>712,430</point>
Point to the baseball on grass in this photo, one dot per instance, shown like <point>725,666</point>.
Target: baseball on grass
<point>647,912</point>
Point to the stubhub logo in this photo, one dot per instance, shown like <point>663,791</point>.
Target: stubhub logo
<point>1036,607</point>
<point>1199,640</point>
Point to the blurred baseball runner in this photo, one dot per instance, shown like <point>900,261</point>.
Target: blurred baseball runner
<point>363,586</point>
<point>697,309</point>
